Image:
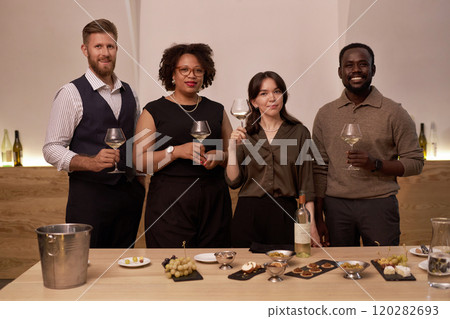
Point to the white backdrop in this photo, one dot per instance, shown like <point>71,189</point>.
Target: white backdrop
<point>292,37</point>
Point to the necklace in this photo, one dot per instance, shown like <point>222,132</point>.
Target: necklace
<point>196,105</point>
<point>274,130</point>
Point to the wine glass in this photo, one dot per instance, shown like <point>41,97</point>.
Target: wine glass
<point>115,138</point>
<point>200,130</point>
<point>351,134</point>
<point>240,109</point>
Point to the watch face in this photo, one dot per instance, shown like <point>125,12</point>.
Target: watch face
<point>169,149</point>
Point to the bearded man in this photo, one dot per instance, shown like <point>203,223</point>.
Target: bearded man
<point>81,114</point>
<point>360,204</point>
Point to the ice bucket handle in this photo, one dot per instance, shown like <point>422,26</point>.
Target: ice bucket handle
<point>52,247</point>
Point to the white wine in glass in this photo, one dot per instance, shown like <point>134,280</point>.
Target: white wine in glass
<point>351,134</point>
<point>240,109</point>
<point>115,138</point>
<point>200,130</point>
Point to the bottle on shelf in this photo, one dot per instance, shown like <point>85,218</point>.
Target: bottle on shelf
<point>7,151</point>
<point>433,139</point>
<point>17,150</point>
<point>302,229</point>
<point>423,140</point>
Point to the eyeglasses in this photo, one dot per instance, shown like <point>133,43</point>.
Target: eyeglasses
<point>184,70</point>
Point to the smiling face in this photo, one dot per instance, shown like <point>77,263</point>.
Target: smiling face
<point>356,71</point>
<point>269,99</point>
<point>101,51</point>
<point>189,84</point>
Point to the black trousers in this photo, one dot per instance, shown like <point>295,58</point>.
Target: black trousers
<point>180,210</point>
<point>113,210</point>
<point>371,219</point>
<point>261,220</point>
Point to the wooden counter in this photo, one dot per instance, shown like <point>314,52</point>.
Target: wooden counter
<point>109,281</point>
<point>31,197</point>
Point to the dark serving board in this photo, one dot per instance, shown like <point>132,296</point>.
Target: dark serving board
<point>320,263</point>
<point>395,277</point>
<point>240,275</point>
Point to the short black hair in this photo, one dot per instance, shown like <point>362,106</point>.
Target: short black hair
<point>356,45</point>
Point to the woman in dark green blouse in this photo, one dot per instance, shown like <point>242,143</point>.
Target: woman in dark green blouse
<point>265,160</point>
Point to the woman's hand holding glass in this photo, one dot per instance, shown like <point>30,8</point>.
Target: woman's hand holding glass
<point>192,151</point>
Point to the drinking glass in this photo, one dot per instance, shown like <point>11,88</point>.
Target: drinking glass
<point>439,255</point>
<point>240,109</point>
<point>115,138</point>
<point>200,130</point>
<point>351,134</point>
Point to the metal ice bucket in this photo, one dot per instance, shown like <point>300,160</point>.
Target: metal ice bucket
<point>64,251</point>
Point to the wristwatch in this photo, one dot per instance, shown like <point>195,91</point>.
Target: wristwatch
<point>378,165</point>
<point>169,150</point>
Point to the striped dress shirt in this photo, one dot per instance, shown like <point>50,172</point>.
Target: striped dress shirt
<point>67,112</point>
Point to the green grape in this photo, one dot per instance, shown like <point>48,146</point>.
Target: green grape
<point>169,275</point>
<point>177,274</point>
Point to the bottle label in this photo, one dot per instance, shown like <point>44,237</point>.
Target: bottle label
<point>302,233</point>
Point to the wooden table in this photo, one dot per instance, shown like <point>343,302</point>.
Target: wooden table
<point>109,281</point>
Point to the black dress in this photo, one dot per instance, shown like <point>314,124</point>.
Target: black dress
<point>187,202</point>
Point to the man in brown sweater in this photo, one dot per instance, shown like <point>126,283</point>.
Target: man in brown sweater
<point>362,203</point>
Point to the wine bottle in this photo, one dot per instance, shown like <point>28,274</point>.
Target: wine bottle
<point>17,150</point>
<point>433,140</point>
<point>302,229</point>
<point>7,151</point>
<point>423,141</point>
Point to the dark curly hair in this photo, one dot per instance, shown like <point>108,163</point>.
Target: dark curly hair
<point>254,87</point>
<point>170,58</point>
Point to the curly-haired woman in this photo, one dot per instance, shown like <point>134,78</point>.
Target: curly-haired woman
<point>188,199</point>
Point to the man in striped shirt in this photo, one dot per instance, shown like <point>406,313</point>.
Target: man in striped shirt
<point>82,112</point>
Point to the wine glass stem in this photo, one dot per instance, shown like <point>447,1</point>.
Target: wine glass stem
<point>242,123</point>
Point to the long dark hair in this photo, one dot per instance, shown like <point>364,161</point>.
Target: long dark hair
<point>254,87</point>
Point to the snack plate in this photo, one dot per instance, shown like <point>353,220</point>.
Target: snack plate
<point>206,258</point>
<point>423,265</point>
<point>395,277</point>
<point>133,264</point>
<point>414,252</point>
<point>320,263</point>
<point>240,275</point>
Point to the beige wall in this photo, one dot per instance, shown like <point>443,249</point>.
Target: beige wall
<point>41,51</point>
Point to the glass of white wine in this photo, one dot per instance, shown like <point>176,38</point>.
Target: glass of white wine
<point>240,109</point>
<point>115,138</point>
<point>200,130</point>
<point>351,134</point>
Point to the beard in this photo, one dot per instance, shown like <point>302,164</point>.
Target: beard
<point>360,89</point>
<point>102,72</point>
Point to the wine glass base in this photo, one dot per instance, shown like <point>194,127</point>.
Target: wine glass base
<point>116,172</point>
<point>352,168</point>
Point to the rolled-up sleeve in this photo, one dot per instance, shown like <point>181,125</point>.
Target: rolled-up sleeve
<point>65,115</point>
<point>409,151</point>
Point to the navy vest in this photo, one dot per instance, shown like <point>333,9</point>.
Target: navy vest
<point>89,136</point>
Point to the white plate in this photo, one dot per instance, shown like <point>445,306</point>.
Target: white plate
<point>413,251</point>
<point>132,263</point>
<point>423,265</point>
<point>206,258</point>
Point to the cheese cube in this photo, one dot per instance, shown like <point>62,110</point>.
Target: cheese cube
<point>389,270</point>
<point>403,271</point>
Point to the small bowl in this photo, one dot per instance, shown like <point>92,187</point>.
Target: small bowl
<point>225,258</point>
<point>353,273</point>
<point>286,255</point>
<point>275,269</point>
